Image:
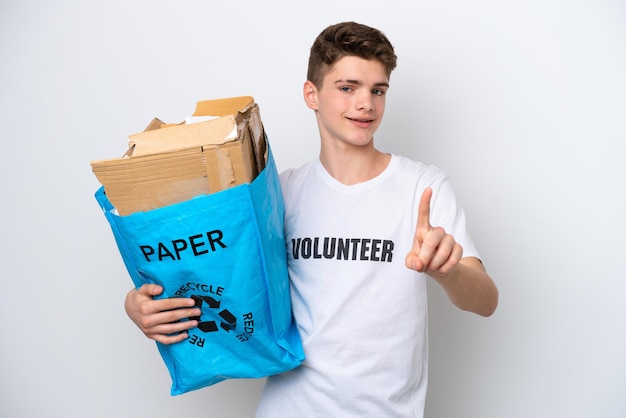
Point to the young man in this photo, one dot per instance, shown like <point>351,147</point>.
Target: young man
<point>364,229</point>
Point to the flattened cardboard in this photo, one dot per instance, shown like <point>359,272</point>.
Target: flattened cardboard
<point>171,163</point>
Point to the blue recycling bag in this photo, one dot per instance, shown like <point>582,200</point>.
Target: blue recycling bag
<point>226,251</point>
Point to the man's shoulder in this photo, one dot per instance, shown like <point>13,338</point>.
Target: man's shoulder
<point>414,169</point>
<point>293,174</point>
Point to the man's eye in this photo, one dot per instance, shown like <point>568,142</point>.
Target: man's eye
<point>378,92</point>
<point>346,89</point>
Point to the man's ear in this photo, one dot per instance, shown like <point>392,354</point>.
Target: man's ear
<point>310,95</point>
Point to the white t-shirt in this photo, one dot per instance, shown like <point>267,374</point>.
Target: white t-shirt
<point>361,313</point>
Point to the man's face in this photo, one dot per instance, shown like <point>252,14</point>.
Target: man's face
<point>351,102</point>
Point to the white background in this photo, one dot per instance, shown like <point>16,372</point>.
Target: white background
<point>523,103</point>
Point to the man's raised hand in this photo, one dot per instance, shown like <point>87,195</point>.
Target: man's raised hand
<point>434,251</point>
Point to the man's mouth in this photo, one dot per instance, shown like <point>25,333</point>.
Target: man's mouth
<point>363,121</point>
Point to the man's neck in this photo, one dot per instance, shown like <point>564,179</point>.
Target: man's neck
<point>354,164</point>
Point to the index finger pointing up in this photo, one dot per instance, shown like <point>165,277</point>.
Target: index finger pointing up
<point>423,212</point>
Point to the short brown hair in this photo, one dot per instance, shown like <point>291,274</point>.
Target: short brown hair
<point>348,39</point>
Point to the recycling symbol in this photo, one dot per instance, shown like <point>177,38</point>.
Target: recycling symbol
<point>227,320</point>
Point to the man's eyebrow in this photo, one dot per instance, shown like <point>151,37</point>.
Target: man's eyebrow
<point>360,83</point>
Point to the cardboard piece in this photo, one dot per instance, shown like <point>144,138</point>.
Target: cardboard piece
<point>172,163</point>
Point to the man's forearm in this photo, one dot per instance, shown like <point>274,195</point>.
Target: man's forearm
<point>470,288</point>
